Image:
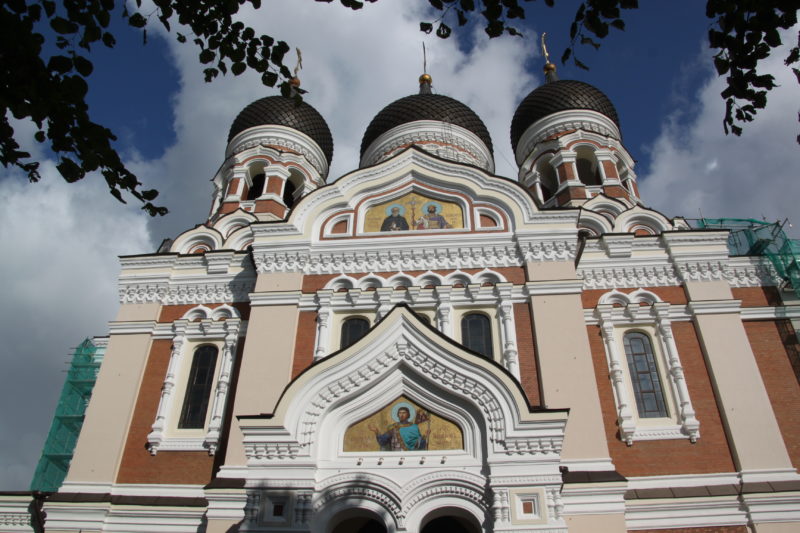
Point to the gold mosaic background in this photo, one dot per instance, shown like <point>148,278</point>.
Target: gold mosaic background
<point>413,206</point>
<point>444,435</point>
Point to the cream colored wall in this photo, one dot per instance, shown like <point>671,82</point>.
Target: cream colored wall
<point>221,526</point>
<point>752,429</point>
<point>105,428</point>
<point>133,312</point>
<point>596,523</point>
<point>779,527</point>
<point>266,366</point>
<point>565,362</point>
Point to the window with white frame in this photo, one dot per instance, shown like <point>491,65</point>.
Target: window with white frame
<point>195,390</point>
<point>649,386</point>
<point>484,296</point>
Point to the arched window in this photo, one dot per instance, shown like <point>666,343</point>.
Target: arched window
<point>547,179</point>
<point>588,169</point>
<point>257,188</point>
<point>644,376</point>
<point>476,333</point>
<point>352,331</point>
<point>198,389</point>
<point>288,193</point>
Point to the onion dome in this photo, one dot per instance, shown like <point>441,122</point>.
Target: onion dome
<point>435,123</point>
<point>555,96</point>
<point>282,111</point>
<point>425,106</point>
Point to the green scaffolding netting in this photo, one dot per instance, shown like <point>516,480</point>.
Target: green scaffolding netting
<point>749,236</point>
<point>68,419</point>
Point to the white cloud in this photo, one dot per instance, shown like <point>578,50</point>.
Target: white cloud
<point>355,63</point>
<point>60,244</point>
<point>697,168</point>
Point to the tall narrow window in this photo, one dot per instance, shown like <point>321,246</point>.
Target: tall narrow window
<point>288,194</point>
<point>198,389</point>
<point>476,334</point>
<point>644,375</point>
<point>257,188</point>
<point>352,331</point>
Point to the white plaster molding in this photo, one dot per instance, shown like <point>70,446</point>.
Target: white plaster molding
<point>382,256</point>
<point>562,121</point>
<point>162,435</point>
<point>274,135</point>
<point>593,498</point>
<point>540,288</point>
<point>738,272</point>
<point>14,512</point>
<point>173,292</point>
<point>667,513</point>
<point>657,313</point>
<point>439,138</point>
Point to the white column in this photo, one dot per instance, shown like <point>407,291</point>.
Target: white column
<point>384,297</point>
<point>444,311</point>
<point>508,335</point>
<point>627,424</point>
<point>157,434</point>
<point>223,384</point>
<point>690,424</point>
<point>323,321</point>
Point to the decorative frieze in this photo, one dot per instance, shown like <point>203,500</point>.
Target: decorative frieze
<point>172,293</point>
<point>386,259</point>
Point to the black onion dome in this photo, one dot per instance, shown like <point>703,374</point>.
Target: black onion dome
<point>558,96</point>
<point>282,111</point>
<point>425,107</point>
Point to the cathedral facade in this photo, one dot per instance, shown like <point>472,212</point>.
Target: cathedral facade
<point>421,345</point>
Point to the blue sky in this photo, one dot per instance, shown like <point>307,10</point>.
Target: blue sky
<point>172,129</point>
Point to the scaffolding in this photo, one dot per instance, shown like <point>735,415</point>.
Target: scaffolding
<point>753,237</point>
<point>67,422</point>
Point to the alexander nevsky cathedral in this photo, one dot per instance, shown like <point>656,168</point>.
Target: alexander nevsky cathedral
<point>421,345</point>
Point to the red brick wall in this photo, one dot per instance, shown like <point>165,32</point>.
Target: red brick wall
<point>757,296</point>
<point>674,456</point>
<point>528,365</point>
<point>170,313</point>
<point>673,295</point>
<point>772,354</point>
<point>313,283</point>
<point>304,342</point>
<point>137,465</point>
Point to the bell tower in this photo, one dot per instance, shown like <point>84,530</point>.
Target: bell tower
<point>568,146</point>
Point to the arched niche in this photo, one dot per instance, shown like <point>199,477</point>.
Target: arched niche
<point>403,425</point>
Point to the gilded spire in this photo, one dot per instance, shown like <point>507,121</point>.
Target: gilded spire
<point>549,68</point>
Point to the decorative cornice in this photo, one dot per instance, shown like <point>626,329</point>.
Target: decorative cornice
<point>563,121</point>
<point>281,136</point>
<point>181,293</point>
<point>384,258</point>
<point>738,272</point>
<point>441,139</point>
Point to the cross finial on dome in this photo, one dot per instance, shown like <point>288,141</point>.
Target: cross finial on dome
<point>295,81</point>
<point>549,68</point>
<point>425,80</point>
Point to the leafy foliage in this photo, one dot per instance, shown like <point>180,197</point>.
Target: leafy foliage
<point>50,88</point>
<point>743,32</point>
<point>51,91</point>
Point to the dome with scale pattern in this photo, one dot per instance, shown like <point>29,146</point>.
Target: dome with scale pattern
<point>561,95</point>
<point>282,111</point>
<point>435,107</point>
